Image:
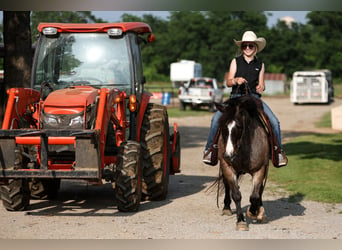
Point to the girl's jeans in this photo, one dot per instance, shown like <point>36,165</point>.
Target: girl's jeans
<point>273,120</point>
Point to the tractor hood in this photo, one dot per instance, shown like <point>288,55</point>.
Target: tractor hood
<point>70,101</point>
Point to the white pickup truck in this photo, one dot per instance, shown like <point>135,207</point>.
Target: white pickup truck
<point>200,91</point>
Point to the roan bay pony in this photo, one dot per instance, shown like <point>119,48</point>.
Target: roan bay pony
<point>243,148</point>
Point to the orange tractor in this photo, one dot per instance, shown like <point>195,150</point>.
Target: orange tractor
<point>87,117</point>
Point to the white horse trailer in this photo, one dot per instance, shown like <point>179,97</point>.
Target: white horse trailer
<point>181,72</point>
<point>312,87</point>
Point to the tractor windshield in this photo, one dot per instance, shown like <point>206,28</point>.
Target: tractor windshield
<point>93,59</point>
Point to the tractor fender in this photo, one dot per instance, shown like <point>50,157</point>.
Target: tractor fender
<point>145,99</point>
<point>175,151</point>
<point>18,100</point>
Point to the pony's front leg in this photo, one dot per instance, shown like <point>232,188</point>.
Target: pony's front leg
<point>256,211</point>
<point>231,178</point>
<point>227,200</point>
<point>241,224</point>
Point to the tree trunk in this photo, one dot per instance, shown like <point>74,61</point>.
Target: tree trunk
<point>18,53</point>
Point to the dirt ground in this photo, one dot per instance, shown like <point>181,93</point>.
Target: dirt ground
<point>83,211</point>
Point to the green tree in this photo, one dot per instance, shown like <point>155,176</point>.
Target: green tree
<point>187,35</point>
<point>284,49</point>
<point>325,50</point>
<point>154,54</point>
<point>18,53</point>
<point>224,27</point>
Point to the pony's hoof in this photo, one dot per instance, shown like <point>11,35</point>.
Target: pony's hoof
<point>260,217</point>
<point>250,215</point>
<point>227,212</point>
<point>241,226</point>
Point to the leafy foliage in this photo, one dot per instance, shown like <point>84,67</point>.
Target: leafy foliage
<point>207,37</point>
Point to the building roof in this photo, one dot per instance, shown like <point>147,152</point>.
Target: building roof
<point>274,77</point>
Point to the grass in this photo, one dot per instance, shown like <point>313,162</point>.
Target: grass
<point>338,89</point>
<point>176,112</point>
<point>325,121</point>
<point>314,170</point>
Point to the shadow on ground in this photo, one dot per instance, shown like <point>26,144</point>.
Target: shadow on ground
<point>278,208</point>
<point>79,199</point>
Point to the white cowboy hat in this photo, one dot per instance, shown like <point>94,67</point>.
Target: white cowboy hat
<point>250,36</point>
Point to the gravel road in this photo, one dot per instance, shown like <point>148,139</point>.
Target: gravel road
<point>83,211</point>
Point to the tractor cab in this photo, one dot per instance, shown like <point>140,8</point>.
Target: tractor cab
<point>97,55</point>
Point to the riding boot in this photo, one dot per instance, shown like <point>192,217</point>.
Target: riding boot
<point>210,156</point>
<point>207,157</point>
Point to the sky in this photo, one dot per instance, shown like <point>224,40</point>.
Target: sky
<point>114,16</point>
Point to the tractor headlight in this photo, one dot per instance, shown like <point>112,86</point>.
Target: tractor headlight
<point>76,122</point>
<point>50,120</point>
<point>62,121</point>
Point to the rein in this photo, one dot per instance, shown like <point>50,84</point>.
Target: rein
<point>247,89</point>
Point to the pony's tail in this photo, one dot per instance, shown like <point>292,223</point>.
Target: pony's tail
<point>220,187</point>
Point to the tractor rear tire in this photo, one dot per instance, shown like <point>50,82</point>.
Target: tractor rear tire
<point>155,147</point>
<point>128,177</point>
<point>44,188</point>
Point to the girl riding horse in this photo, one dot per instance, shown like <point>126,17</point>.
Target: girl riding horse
<point>246,71</point>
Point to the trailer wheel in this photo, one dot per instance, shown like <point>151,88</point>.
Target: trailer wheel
<point>44,188</point>
<point>128,177</point>
<point>156,152</point>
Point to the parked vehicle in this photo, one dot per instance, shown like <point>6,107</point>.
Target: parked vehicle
<point>182,71</point>
<point>312,87</point>
<point>87,117</point>
<point>200,91</point>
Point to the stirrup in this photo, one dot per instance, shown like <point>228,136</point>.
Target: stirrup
<point>282,159</point>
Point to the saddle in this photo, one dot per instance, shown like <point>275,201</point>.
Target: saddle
<point>274,149</point>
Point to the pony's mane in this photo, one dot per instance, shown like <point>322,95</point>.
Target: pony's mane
<point>238,105</point>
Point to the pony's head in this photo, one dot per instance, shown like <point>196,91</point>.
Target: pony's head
<point>234,123</point>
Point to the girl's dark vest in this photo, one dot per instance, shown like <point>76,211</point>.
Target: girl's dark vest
<point>249,71</point>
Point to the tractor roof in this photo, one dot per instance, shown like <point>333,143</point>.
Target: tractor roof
<point>137,27</point>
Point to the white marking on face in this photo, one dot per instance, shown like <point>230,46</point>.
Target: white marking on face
<point>230,146</point>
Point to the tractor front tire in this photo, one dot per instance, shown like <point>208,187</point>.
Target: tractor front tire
<point>155,147</point>
<point>15,195</point>
<point>128,177</point>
